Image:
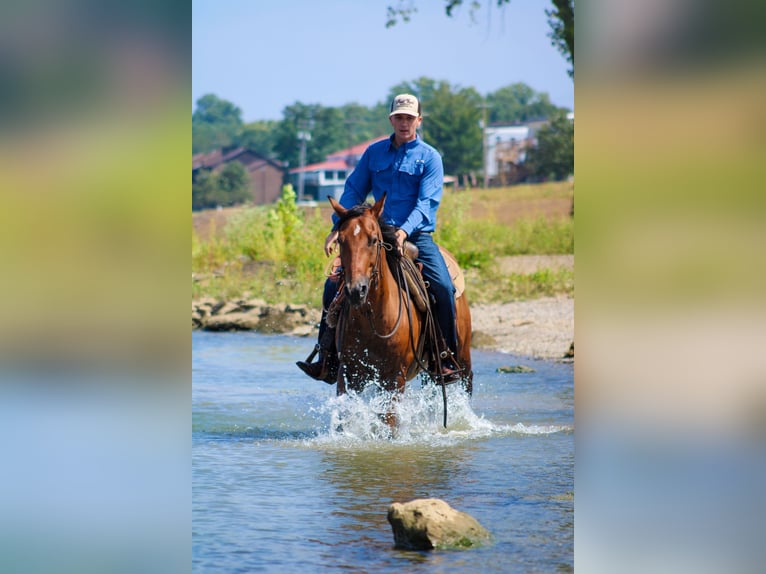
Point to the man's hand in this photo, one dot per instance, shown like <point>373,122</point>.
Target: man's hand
<point>329,243</point>
<point>401,236</point>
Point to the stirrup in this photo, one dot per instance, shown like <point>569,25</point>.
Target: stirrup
<point>312,354</point>
<point>451,375</point>
<point>325,369</point>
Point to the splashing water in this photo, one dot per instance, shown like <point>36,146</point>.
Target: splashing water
<point>358,418</point>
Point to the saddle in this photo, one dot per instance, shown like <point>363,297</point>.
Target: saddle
<point>413,274</point>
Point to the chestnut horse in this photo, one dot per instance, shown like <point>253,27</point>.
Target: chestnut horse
<point>380,328</point>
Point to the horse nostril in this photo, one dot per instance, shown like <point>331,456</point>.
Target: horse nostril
<point>358,292</point>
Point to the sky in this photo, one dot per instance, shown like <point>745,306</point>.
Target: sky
<point>264,55</point>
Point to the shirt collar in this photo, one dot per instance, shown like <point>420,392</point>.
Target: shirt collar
<point>408,145</point>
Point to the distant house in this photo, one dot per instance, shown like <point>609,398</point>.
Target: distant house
<point>328,177</point>
<point>507,147</point>
<point>266,175</point>
<point>507,151</point>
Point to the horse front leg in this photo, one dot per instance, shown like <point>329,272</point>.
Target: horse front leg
<point>340,389</point>
<point>391,418</point>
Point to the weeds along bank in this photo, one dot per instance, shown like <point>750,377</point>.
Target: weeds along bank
<point>275,252</point>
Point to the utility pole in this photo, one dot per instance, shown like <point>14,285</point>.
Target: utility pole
<point>304,135</point>
<point>484,143</point>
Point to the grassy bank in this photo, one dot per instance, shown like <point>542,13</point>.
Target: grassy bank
<point>275,252</point>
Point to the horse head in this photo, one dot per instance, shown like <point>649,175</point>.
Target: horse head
<point>360,240</point>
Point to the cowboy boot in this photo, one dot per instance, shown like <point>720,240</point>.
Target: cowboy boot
<point>326,366</point>
<point>449,371</point>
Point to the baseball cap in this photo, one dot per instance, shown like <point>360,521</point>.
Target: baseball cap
<point>405,104</point>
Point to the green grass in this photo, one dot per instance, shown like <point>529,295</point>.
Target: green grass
<point>490,286</point>
<point>276,252</point>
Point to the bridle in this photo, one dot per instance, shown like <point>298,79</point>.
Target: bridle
<point>374,282</point>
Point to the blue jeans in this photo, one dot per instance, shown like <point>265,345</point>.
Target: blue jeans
<point>439,283</point>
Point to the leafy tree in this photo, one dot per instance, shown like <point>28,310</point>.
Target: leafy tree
<point>216,123</point>
<point>229,186</point>
<point>553,157</point>
<point>234,183</point>
<point>328,134</point>
<point>325,125</point>
<point>518,103</point>
<point>204,190</point>
<point>362,123</point>
<point>560,19</point>
<point>287,144</point>
<point>259,136</point>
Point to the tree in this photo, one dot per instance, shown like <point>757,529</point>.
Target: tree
<point>560,19</point>
<point>328,134</point>
<point>553,157</point>
<point>325,126</point>
<point>362,123</point>
<point>204,190</point>
<point>229,186</point>
<point>234,183</point>
<point>216,123</point>
<point>519,103</point>
<point>259,136</point>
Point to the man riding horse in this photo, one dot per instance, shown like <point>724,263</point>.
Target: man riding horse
<point>410,173</point>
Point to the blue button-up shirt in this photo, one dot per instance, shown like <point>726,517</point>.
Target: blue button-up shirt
<point>412,177</point>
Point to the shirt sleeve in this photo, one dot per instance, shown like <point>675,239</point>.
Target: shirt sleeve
<point>357,186</point>
<point>429,196</point>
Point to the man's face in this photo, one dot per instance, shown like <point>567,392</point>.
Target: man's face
<point>405,127</point>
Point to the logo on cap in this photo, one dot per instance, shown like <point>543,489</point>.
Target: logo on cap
<point>405,104</point>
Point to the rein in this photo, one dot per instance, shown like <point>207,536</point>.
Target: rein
<point>375,277</point>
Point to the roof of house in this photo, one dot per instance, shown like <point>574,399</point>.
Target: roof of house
<point>322,166</point>
<point>217,157</point>
<point>354,150</point>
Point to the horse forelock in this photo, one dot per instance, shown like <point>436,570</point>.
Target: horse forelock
<point>353,213</point>
<point>387,231</point>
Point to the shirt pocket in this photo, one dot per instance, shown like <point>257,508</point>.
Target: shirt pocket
<point>413,167</point>
<point>380,164</point>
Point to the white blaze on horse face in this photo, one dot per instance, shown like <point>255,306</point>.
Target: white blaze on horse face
<point>357,230</point>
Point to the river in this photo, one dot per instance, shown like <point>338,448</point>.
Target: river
<point>287,477</point>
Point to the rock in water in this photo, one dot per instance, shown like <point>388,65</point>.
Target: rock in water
<point>515,369</point>
<point>428,523</point>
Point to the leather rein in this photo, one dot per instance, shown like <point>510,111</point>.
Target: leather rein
<point>375,280</point>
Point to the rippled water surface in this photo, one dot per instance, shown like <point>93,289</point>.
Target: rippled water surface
<point>289,478</point>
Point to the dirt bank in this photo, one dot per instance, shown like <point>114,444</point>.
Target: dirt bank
<point>539,328</point>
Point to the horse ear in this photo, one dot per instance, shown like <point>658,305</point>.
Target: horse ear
<point>339,209</point>
<point>377,209</point>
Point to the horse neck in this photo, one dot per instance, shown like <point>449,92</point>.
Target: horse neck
<point>386,288</point>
